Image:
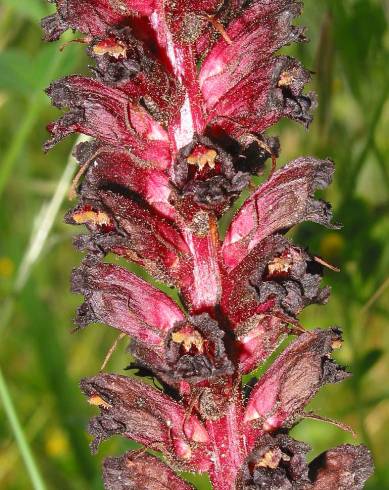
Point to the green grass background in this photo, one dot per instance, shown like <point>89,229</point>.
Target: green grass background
<point>42,414</point>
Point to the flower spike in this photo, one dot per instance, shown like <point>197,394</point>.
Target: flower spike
<point>176,107</point>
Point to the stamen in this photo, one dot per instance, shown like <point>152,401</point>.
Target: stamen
<point>189,338</point>
<point>85,40</point>
<point>94,217</point>
<point>340,425</point>
<point>83,168</point>
<point>218,26</point>
<point>116,50</point>
<point>98,401</point>
<point>323,262</point>
<point>202,157</point>
<point>270,459</point>
<point>112,350</point>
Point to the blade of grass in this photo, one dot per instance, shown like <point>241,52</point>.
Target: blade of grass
<point>355,169</point>
<point>375,296</point>
<point>32,428</point>
<point>52,357</point>
<point>382,164</point>
<point>50,350</point>
<point>39,235</point>
<point>45,222</point>
<point>17,430</point>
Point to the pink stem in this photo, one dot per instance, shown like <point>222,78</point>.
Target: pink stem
<point>205,290</point>
<point>228,446</point>
<point>190,119</point>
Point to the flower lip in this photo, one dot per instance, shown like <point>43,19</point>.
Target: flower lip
<point>292,279</point>
<point>294,378</point>
<point>136,410</point>
<point>276,462</point>
<point>285,200</point>
<point>344,466</point>
<point>195,350</point>
<point>213,169</point>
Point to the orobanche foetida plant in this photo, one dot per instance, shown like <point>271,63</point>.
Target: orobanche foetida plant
<point>180,97</point>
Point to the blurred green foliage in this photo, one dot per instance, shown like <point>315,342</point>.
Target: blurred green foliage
<point>42,363</point>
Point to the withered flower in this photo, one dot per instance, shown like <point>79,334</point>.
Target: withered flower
<point>180,97</point>
<point>137,471</point>
<point>279,462</point>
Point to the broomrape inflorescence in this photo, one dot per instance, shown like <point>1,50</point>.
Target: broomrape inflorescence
<point>181,94</point>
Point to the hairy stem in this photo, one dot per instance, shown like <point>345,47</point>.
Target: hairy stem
<point>228,446</point>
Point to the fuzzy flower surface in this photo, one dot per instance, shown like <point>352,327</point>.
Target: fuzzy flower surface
<point>180,97</point>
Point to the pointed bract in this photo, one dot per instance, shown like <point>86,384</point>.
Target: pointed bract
<point>283,201</point>
<point>281,394</point>
<point>117,297</point>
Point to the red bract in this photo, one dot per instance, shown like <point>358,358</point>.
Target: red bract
<point>180,96</point>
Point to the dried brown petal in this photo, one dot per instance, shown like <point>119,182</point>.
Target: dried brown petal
<point>119,298</point>
<point>276,277</point>
<point>345,467</point>
<point>214,170</point>
<point>291,278</point>
<point>139,412</point>
<point>140,471</point>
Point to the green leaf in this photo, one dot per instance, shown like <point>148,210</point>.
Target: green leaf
<point>20,437</point>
